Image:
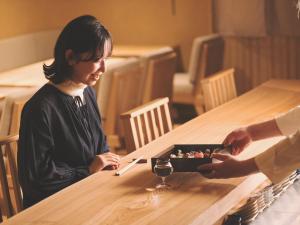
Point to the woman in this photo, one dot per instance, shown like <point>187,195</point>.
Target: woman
<point>61,138</point>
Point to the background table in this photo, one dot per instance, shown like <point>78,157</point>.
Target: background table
<point>134,50</point>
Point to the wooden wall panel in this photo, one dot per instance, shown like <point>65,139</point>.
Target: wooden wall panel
<point>259,59</point>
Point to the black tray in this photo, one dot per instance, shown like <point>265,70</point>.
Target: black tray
<point>186,164</point>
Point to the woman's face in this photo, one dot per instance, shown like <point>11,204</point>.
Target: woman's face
<point>89,72</point>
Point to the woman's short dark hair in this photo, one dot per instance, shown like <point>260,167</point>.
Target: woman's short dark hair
<point>83,34</point>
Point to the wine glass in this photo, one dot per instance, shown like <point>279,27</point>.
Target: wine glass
<point>162,169</point>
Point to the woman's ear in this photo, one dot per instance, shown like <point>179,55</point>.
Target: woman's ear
<point>70,57</point>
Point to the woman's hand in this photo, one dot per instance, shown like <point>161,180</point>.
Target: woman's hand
<point>229,167</point>
<point>109,160</point>
<point>239,139</point>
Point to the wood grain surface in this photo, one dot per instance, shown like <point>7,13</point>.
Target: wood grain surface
<point>104,198</point>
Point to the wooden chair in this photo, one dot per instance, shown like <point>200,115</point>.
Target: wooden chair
<point>206,59</point>
<point>160,67</point>
<point>104,86</point>
<point>8,145</point>
<point>124,93</point>
<point>11,108</point>
<point>146,123</point>
<point>17,108</point>
<point>218,89</point>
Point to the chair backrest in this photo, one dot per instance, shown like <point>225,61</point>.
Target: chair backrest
<point>146,123</point>
<point>9,174</point>
<point>124,94</point>
<point>15,121</point>
<point>159,76</point>
<point>101,89</point>
<point>218,89</point>
<point>11,108</point>
<point>104,85</point>
<point>206,57</point>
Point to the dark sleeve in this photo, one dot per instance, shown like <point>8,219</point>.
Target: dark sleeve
<point>104,147</point>
<point>37,167</point>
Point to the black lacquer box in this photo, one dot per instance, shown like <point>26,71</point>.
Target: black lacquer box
<point>187,164</point>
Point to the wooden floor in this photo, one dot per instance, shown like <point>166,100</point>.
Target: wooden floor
<point>284,211</point>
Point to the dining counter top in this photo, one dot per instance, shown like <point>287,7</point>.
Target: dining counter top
<point>104,198</point>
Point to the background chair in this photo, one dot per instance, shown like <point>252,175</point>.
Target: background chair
<point>206,59</point>
<point>218,89</point>
<point>120,90</point>
<point>104,85</point>
<point>146,123</point>
<point>11,107</point>
<point>8,154</point>
<point>160,67</point>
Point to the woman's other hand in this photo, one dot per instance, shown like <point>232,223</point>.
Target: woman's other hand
<point>228,167</point>
<point>239,139</point>
<point>107,160</point>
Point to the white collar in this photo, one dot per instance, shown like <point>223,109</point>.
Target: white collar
<point>71,88</point>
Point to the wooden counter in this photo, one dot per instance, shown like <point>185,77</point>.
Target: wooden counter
<point>107,199</point>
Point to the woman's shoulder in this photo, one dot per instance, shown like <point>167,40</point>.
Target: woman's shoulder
<point>90,91</point>
<point>44,99</point>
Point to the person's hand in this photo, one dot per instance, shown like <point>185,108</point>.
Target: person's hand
<point>239,139</point>
<point>107,160</point>
<point>228,167</point>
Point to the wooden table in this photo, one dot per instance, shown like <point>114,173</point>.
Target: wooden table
<point>134,50</point>
<point>107,199</point>
<point>32,75</point>
<point>30,78</point>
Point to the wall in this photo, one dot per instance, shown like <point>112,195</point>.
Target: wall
<point>152,22</point>
<point>261,47</point>
<point>257,60</point>
<point>130,21</point>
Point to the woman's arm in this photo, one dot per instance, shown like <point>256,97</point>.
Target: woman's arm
<point>104,158</point>
<point>38,169</point>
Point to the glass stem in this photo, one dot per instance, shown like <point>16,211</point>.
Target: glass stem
<point>163,180</point>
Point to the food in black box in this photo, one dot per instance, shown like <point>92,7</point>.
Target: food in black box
<point>186,158</point>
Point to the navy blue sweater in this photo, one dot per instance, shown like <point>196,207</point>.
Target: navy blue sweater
<point>58,141</point>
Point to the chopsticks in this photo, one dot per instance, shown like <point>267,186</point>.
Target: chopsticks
<point>124,169</point>
<point>224,149</point>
